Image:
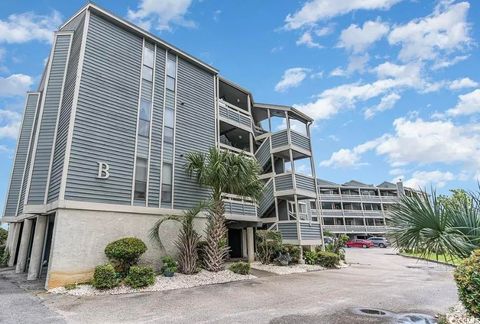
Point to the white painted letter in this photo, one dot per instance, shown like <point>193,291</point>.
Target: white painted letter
<point>103,168</point>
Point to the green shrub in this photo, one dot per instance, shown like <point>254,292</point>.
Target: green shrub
<point>124,253</point>
<point>269,244</point>
<point>169,266</point>
<point>105,277</point>
<point>328,259</point>
<point>4,257</point>
<point>467,277</point>
<point>242,268</point>
<point>311,257</point>
<point>293,250</point>
<point>283,259</point>
<point>3,236</point>
<point>140,276</point>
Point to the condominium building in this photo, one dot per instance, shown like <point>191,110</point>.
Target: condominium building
<point>102,147</point>
<point>357,209</point>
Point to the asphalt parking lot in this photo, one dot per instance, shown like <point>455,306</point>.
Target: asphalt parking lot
<point>376,279</point>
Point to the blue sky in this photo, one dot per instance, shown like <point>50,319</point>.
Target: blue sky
<point>393,85</point>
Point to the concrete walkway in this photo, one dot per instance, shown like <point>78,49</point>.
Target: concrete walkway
<point>377,279</point>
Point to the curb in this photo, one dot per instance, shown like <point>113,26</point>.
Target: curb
<point>428,260</point>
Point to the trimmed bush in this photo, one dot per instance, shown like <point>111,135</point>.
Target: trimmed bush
<point>169,266</point>
<point>269,244</point>
<point>124,253</point>
<point>293,250</point>
<point>327,259</point>
<point>4,257</point>
<point>467,277</point>
<point>242,268</point>
<point>140,276</point>
<point>311,257</point>
<point>105,277</point>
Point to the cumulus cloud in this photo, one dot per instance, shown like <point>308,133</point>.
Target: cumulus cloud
<point>462,84</point>
<point>416,141</point>
<point>444,31</point>
<point>425,179</point>
<point>291,78</point>
<point>9,124</point>
<point>15,85</point>
<point>387,102</point>
<point>161,15</point>
<point>307,40</point>
<point>28,26</point>
<point>358,39</point>
<point>467,104</point>
<point>314,11</point>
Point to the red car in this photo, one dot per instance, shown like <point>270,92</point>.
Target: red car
<point>359,243</point>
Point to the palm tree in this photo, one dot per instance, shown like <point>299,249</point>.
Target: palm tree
<point>188,239</point>
<point>222,172</point>
<point>426,224</point>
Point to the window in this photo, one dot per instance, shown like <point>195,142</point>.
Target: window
<point>169,117</point>
<point>145,109</point>
<point>167,183</point>
<point>170,83</point>
<point>147,73</point>
<point>168,138</point>
<point>313,205</point>
<point>148,57</point>
<point>144,128</point>
<point>140,179</point>
<point>171,68</point>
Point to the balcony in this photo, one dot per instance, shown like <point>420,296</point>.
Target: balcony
<point>332,212</point>
<point>335,228</point>
<point>300,144</point>
<point>330,197</point>
<point>352,213</point>
<point>304,185</point>
<point>373,213</point>
<point>376,229</point>
<point>234,116</point>
<point>239,210</point>
<point>309,231</point>
<point>389,199</point>
<point>351,198</point>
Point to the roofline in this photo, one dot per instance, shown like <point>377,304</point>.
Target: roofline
<point>233,84</point>
<point>128,25</point>
<point>285,108</point>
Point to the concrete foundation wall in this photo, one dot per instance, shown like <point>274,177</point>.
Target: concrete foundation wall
<point>80,238</point>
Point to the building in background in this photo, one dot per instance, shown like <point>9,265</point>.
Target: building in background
<point>102,148</point>
<point>357,209</point>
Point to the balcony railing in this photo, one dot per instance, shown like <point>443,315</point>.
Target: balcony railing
<point>332,212</point>
<point>298,141</point>
<point>355,229</point>
<point>376,229</point>
<point>234,115</point>
<point>304,184</point>
<point>238,209</point>
<point>392,199</point>
<point>330,197</point>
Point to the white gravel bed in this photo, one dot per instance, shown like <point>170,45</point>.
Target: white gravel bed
<point>283,270</point>
<point>162,283</point>
<point>458,315</point>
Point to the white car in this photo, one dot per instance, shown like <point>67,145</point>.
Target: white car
<point>379,241</point>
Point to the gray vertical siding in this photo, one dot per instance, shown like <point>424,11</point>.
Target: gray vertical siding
<point>157,121</point>
<point>106,116</point>
<point>195,128</point>
<point>41,164</point>
<point>310,231</point>
<point>74,24</point>
<point>21,155</point>
<point>288,230</point>
<point>67,101</point>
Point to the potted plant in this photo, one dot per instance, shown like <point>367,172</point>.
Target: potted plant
<point>169,266</point>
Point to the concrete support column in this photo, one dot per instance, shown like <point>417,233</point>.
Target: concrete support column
<point>301,260</point>
<point>23,250</point>
<point>244,243</point>
<point>14,231</point>
<point>250,245</point>
<point>37,248</point>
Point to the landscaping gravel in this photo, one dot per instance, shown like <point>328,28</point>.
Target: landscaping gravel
<point>178,281</point>
<point>283,270</point>
<point>458,315</point>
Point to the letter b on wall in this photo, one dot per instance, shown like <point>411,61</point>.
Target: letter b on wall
<point>103,172</point>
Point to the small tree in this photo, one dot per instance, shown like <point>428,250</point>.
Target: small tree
<point>124,253</point>
<point>222,172</point>
<point>268,244</point>
<point>467,277</point>
<point>188,239</point>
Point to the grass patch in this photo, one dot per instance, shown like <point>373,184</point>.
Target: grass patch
<point>432,257</point>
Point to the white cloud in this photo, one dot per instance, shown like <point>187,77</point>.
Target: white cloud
<point>467,104</point>
<point>324,31</point>
<point>416,141</point>
<point>291,78</point>
<point>15,85</point>
<point>337,72</point>
<point>314,11</point>
<point>358,39</point>
<point>446,62</point>
<point>161,15</point>
<point>307,40</point>
<point>28,26</point>
<point>424,179</point>
<point>387,102</point>
<point>216,14</point>
<point>463,83</point>
<point>9,124</point>
<point>444,31</point>
<point>348,158</point>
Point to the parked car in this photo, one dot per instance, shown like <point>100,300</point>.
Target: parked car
<point>379,241</point>
<point>327,240</point>
<point>359,243</point>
